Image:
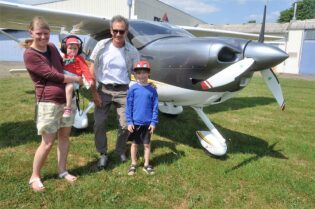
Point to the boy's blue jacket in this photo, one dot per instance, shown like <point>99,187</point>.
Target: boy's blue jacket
<point>142,105</point>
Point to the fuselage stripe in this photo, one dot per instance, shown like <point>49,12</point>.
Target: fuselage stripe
<point>206,85</point>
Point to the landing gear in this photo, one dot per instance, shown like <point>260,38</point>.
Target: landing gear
<point>211,140</point>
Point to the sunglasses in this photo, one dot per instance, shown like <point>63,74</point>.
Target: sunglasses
<point>122,32</point>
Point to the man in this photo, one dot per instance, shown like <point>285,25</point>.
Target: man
<point>112,61</point>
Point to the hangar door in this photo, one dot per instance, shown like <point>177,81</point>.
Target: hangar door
<point>307,64</point>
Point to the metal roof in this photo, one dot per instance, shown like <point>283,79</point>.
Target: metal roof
<point>271,28</point>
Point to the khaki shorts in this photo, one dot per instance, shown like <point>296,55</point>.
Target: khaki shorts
<point>49,118</point>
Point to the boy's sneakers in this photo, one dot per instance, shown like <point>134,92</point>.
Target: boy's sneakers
<point>148,169</point>
<point>132,170</point>
<point>67,112</point>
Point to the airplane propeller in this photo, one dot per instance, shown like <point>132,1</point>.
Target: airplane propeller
<point>268,75</point>
<point>273,84</point>
<point>227,75</point>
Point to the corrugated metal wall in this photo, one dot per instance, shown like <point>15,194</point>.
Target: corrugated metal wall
<point>103,8</point>
<point>148,9</point>
<point>141,9</point>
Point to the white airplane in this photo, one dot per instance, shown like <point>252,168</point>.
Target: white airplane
<point>187,70</point>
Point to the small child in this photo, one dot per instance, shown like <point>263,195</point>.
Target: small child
<point>141,115</point>
<point>74,64</point>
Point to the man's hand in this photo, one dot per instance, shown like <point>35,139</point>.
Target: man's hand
<point>96,97</point>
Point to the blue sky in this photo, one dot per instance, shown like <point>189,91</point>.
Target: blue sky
<point>220,11</point>
<point>231,11</point>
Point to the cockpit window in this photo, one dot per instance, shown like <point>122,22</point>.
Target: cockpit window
<point>143,32</point>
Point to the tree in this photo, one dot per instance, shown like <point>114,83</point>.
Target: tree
<point>305,10</point>
<point>251,21</point>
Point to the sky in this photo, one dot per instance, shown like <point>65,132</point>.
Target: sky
<point>220,11</point>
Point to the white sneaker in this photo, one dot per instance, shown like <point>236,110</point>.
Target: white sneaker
<point>123,158</point>
<point>102,162</point>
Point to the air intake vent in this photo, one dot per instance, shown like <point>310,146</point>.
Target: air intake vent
<point>227,55</point>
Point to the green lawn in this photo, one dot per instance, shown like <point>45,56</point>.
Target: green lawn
<point>270,161</point>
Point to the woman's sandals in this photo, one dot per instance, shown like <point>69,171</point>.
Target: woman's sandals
<point>36,184</point>
<point>67,176</point>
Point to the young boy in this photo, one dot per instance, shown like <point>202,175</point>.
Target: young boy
<point>74,64</point>
<point>141,115</point>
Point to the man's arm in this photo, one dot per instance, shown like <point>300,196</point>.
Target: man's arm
<point>96,96</point>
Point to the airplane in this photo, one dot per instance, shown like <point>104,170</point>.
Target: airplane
<point>187,70</point>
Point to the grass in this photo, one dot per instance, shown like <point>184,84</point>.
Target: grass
<point>269,164</point>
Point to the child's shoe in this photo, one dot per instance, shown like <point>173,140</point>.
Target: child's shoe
<point>67,112</point>
<point>148,169</point>
<point>132,170</point>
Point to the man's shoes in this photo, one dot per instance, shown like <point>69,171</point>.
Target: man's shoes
<point>102,162</point>
<point>123,158</point>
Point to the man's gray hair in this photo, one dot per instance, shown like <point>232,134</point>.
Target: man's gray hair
<point>119,18</point>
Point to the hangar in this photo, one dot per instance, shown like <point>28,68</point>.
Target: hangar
<point>298,42</point>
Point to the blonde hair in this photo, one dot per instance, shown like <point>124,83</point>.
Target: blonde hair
<point>26,43</point>
<point>38,21</point>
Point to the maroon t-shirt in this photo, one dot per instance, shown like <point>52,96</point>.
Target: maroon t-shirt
<point>46,71</point>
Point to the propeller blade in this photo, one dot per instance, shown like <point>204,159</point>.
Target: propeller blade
<point>227,75</point>
<point>273,84</point>
<point>261,38</point>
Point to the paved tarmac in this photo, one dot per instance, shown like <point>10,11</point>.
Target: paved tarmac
<point>5,66</point>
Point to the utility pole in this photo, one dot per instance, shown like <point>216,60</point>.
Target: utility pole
<point>294,11</point>
<point>129,2</point>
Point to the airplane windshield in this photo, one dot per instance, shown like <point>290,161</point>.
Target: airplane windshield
<point>143,32</point>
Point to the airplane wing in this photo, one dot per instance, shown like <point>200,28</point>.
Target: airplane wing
<point>18,16</point>
<point>200,32</point>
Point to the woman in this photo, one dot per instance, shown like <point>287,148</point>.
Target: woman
<point>44,65</point>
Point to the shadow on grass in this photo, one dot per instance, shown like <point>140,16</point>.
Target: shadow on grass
<point>237,142</point>
<point>239,103</point>
<point>17,133</point>
<point>267,151</point>
<point>180,130</point>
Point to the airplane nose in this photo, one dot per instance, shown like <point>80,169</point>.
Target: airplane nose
<point>265,55</point>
